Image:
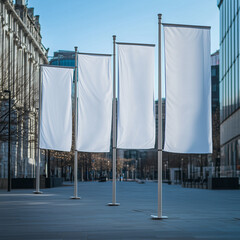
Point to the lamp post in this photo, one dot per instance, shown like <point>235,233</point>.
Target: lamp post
<point>165,165</point>
<point>135,170</point>
<point>182,171</point>
<point>9,139</point>
<point>167,171</point>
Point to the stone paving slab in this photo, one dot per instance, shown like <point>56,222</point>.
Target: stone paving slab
<point>193,213</point>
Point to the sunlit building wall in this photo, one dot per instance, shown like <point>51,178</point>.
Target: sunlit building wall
<point>21,53</point>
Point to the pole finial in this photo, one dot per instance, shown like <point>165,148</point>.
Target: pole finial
<point>159,16</point>
<point>76,48</point>
<point>114,37</point>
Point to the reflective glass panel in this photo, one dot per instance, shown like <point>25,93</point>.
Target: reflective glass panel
<point>236,83</point>
<point>220,100</point>
<point>233,88</point>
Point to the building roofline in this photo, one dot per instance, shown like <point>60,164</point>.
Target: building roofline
<point>219,3</point>
<point>26,30</point>
<point>215,53</point>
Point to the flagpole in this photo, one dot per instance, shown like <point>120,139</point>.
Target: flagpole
<point>75,135</point>
<point>159,215</point>
<point>114,145</point>
<point>37,191</point>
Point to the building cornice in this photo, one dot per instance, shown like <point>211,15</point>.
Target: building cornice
<point>35,43</point>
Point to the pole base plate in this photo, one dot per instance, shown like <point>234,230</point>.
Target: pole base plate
<point>37,192</point>
<point>113,204</point>
<point>76,198</point>
<point>158,217</point>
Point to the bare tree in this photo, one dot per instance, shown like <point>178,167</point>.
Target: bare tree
<point>20,80</point>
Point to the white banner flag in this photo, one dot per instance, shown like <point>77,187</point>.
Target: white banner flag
<point>188,90</point>
<point>56,110</point>
<point>136,118</point>
<point>94,103</point>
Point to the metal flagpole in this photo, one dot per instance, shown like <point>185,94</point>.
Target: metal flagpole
<point>114,145</point>
<point>75,151</point>
<point>38,147</point>
<point>159,215</point>
<point>136,44</point>
<point>9,141</point>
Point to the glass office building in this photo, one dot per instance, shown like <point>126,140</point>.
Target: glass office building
<point>63,58</point>
<point>229,87</point>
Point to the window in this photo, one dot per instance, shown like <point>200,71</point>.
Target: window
<point>236,6</point>
<point>227,51</point>
<point>232,44</point>
<point>236,37</point>
<point>220,100</point>
<point>226,154</point>
<point>223,18</point>
<point>223,57</point>
<point>226,15</point>
<point>214,87</point>
<point>229,13</point>
<point>221,25</point>
<point>238,25</point>
<point>232,9</point>
<point>233,88</point>
<point>236,83</point>
<point>230,92</point>
<point>238,154</point>
<point>220,66</point>
<point>223,99</point>
<point>227,96</point>
<point>214,72</point>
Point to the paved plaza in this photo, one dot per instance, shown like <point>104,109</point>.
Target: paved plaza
<point>193,213</point>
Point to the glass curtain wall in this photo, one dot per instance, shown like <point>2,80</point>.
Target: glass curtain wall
<point>229,87</point>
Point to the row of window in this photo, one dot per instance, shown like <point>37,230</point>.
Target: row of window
<point>230,91</point>
<point>229,46</point>
<point>230,158</point>
<point>229,57</point>
<point>17,29</point>
<point>63,62</point>
<point>228,11</point>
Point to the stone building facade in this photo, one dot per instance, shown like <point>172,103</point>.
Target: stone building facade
<point>21,53</point>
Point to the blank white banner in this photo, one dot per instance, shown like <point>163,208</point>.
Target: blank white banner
<point>136,118</point>
<point>56,111</point>
<point>188,90</point>
<point>94,103</point>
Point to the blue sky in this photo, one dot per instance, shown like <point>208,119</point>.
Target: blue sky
<point>90,24</point>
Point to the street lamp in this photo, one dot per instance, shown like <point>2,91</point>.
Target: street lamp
<point>136,170</point>
<point>140,168</point>
<point>166,169</point>
<point>165,165</point>
<point>182,170</point>
<point>9,139</point>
